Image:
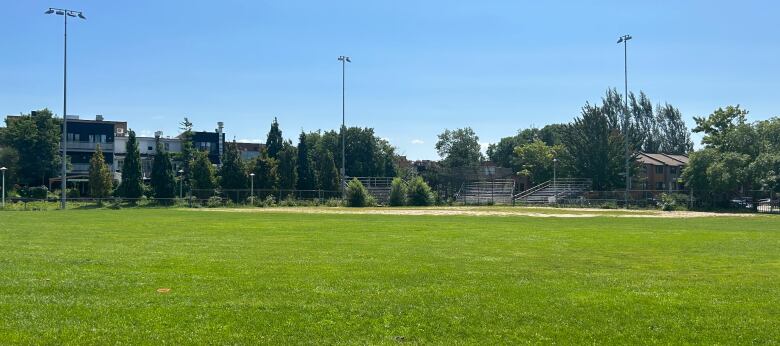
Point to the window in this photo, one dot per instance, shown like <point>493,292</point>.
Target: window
<point>167,146</point>
<point>672,170</point>
<point>659,185</point>
<point>659,169</point>
<point>149,148</point>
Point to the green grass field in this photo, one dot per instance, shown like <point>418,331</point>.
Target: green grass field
<point>91,277</point>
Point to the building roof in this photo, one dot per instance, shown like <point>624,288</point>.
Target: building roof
<point>661,159</point>
<point>246,146</point>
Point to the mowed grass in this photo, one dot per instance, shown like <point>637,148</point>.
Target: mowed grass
<point>91,277</point>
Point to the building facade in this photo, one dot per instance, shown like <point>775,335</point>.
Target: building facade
<point>660,172</point>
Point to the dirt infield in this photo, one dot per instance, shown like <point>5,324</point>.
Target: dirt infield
<point>487,211</point>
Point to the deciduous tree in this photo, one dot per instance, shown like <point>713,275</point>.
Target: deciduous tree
<point>459,148</point>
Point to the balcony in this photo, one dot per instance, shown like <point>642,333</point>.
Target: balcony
<point>89,146</point>
<point>79,168</point>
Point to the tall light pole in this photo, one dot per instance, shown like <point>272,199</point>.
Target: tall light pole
<point>65,13</point>
<point>2,169</point>
<point>555,174</point>
<point>344,60</point>
<point>624,40</point>
<point>252,187</point>
<point>181,183</point>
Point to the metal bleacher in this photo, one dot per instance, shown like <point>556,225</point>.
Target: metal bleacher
<point>379,187</point>
<point>498,191</point>
<point>549,192</point>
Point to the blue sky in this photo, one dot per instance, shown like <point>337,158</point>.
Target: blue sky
<point>418,66</point>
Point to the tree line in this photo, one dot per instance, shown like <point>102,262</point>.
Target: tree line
<point>593,145</point>
<point>281,165</point>
<point>738,157</point>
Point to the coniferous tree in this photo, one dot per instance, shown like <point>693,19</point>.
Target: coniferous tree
<point>266,176</point>
<point>274,143</point>
<point>163,179</point>
<point>100,179</point>
<point>596,149</point>
<point>202,179</point>
<point>675,137</point>
<point>132,176</point>
<point>232,174</point>
<point>306,178</point>
<point>287,167</point>
<point>187,150</point>
<point>327,175</point>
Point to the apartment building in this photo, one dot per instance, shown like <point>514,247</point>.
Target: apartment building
<point>660,172</point>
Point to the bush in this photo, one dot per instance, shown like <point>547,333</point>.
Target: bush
<point>675,201</point>
<point>608,205</point>
<point>397,193</point>
<point>334,202</point>
<point>37,192</point>
<point>116,203</point>
<point>214,202</point>
<point>357,195</point>
<point>269,201</point>
<point>288,202</point>
<point>418,193</point>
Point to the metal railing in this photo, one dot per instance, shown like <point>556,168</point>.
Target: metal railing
<point>73,145</point>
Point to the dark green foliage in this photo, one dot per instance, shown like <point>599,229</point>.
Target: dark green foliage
<point>327,175</point>
<point>185,157</point>
<point>9,158</point>
<point>503,152</point>
<point>132,176</point>
<point>397,193</point>
<point>418,193</point>
<point>288,176</point>
<point>357,195</point>
<point>675,137</point>
<point>274,142</point>
<point>163,179</point>
<point>202,179</point>
<point>37,192</point>
<point>738,157</point>
<point>306,178</point>
<point>232,175</point>
<point>366,154</point>
<point>596,149</point>
<point>459,148</point>
<point>35,138</point>
<point>535,160</point>
<point>265,170</point>
<point>101,179</point>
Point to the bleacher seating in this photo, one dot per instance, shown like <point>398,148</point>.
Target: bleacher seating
<point>498,191</point>
<point>379,187</point>
<point>550,192</point>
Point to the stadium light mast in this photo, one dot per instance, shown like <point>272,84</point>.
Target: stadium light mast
<point>624,40</point>
<point>555,174</point>
<point>65,13</point>
<point>344,60</point>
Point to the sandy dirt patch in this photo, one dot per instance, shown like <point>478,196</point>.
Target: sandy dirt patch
<point>484,211</point>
